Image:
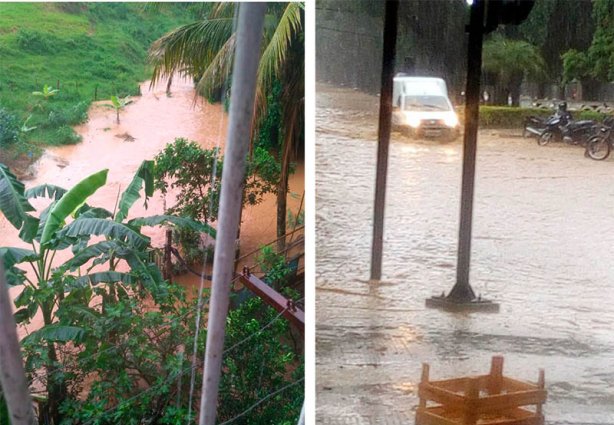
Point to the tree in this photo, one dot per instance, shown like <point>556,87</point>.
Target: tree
<point>49,285</point>
<point>508,61</point>
<point>197,173</point>
<point>204,51</point>
<point>595,64</point>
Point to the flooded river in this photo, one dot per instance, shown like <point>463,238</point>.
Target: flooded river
<point>147,125</point>
<point>543,241</point>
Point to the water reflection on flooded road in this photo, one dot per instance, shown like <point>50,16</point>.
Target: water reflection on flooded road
<point>543,241</point>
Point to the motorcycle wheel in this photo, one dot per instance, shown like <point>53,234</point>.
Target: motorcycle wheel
<point>598,148</point>
<point>545,138</point>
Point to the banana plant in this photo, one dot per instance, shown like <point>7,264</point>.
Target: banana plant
<point>118,104</point>
<point>69,222</point>
<point>47,93</point>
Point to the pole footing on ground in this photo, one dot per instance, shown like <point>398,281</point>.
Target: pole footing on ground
<point>453,305</point>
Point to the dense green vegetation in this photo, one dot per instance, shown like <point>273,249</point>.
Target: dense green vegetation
<point>197,173</point>
<point>85,51</point>
<point>597,62</point>
<point>121,327</point>
<point>507,62</point>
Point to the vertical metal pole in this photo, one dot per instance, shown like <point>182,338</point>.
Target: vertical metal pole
<point>247,56</point>
<point>385,120</point>
<point>462,290</point>
<point>12,376</point>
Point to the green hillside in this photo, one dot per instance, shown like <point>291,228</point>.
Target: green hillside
<point>85,50</point>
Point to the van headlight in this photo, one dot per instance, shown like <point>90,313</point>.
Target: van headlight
<point>451,120</point>
<point>413,121</point>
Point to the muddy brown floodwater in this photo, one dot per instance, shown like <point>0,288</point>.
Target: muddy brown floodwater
<point>146,126</point>
<point>543,241</point>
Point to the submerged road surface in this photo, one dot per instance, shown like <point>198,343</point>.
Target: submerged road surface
<point>543,247</point>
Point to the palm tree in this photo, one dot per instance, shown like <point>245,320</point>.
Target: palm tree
<point>508,61</point>
<point>204,50</point>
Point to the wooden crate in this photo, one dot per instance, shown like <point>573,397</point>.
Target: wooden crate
<point>491,399</point>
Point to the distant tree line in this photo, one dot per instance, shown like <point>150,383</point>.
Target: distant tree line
<point>561,41</point>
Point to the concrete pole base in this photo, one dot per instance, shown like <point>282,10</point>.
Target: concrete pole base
<point>456,306</point>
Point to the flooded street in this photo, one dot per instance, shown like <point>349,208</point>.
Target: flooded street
<point>542,247</point>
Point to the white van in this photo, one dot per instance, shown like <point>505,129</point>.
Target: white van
<point>422,108</point>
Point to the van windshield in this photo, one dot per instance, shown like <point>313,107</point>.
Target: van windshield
<point>426,103</point>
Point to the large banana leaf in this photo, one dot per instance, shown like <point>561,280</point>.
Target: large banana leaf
<point>71,200</point>
<point>93,212</point>
<point>26,314</point>
<point>108,228</point>
<point>29,230</point>
<point>45,191</point>
<point>55,333</point>
<point>13,203</point>
<point>147,272</point>
<point>12,256</point>
<point>156,220</point>
<point>93,251</point>
<point>143,176</point>
<point>103,277</point>
<point>55,244</point>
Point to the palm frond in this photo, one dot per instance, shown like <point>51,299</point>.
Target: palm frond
<point>223,10</point>
<point>190,47</point>
<point>274,55</point>
<point>219,69</point>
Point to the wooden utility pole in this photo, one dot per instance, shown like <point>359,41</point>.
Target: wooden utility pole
<point>247,56</point>
<point>12,376</point>
<point>385,121</point>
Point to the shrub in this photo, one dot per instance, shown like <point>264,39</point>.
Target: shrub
<point>33,41</point>
<point>274,266</point>
<point>191,246</point>
<point>9,128</point>
<point>65,135</point>
<point>76,114</point>
<point>511,117</point>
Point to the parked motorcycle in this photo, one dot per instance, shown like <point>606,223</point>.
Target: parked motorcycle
<point>562,128</point>
<point>534,125</point>
<point>600,145</point>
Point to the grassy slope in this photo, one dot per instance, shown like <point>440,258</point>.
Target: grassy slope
<point>84,46</point>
